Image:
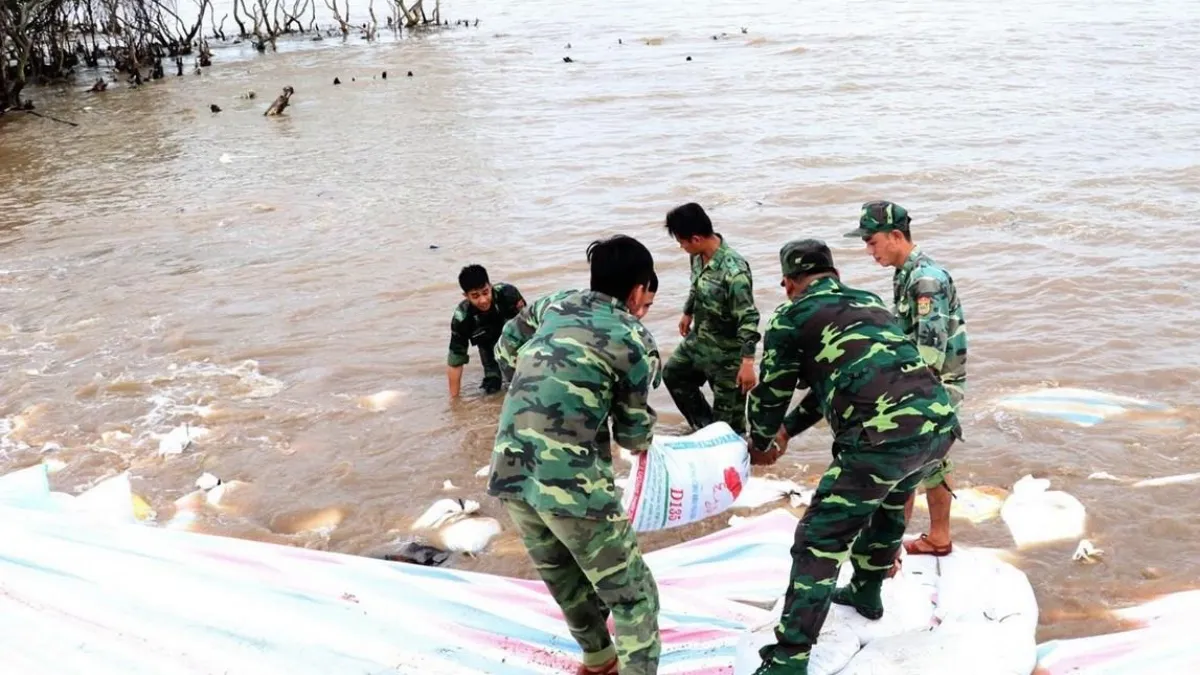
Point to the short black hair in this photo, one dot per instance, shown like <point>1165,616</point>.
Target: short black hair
<point>472,277</point>
<point>652,285</point>
<point>619,264</point>
<point>689,220</point>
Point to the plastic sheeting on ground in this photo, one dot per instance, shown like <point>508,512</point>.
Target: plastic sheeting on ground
<point>80,594</point>
<point>109,598</point>
<point>1088,407</point>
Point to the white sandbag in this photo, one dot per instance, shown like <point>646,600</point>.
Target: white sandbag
<point>836,645</point>
<point>965,612</point>
<point>1036,515</point>
<point>469,535</point>
<point>451,524</point>
<point>908,605</point>
<point>975,587</point>
<point>757,492</point>
<point>977,649</point>
<point>684,479</point>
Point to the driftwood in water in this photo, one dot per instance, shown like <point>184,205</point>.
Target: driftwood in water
<point>280,103</point>
<point>28,107</point>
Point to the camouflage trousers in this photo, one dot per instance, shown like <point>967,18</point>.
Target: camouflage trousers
<point>857,513</point>
<point>941,475</point>
<point>594,568</point>
<point>693,364</point>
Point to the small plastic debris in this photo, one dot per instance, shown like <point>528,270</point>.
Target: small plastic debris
<point>179,439</point>
<point>1087,552</point>
<point>207,481</point>
<point>447,485</point>
<point>142,511</point>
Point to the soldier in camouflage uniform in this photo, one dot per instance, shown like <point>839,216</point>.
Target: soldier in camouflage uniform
<point>892,423</point>
<point>929,311</point>
<point>720,349</point>
<point>478,320</point>
<point>581,361</point>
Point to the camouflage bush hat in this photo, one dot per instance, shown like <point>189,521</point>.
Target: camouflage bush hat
<point>880,216</point>
<point>805,256</point>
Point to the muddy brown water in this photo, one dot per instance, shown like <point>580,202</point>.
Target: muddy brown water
<point>162,265</point>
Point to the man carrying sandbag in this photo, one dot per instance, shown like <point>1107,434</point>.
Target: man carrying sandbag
<point>932,317</point>
<point>892,423</point>
<point>578,360</point>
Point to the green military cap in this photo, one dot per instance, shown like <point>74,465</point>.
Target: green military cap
<point>880,216</point>
<point>805,256</point>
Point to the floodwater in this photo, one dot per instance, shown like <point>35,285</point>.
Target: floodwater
<point>258,277</point>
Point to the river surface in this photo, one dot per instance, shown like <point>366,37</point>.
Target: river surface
<point>161,265</point>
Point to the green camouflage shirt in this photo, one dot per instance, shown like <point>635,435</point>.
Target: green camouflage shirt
<point>928,308</point>
<point>473,327</point>
<point>863,375</point>
<point>577,360</point>
<point>721,302</point>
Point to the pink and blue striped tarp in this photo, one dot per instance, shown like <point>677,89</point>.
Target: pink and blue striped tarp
<point>85,596</point>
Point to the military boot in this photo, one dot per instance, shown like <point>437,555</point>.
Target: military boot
<point>865,597</point>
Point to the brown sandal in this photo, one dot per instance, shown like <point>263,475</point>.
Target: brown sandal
<point>922,546</point>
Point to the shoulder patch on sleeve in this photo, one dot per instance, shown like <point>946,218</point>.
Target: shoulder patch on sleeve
<point>926,284</point>
<point>924,305</point>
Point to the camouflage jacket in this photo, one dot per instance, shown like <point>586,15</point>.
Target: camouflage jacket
<point>863,375</point>
<point>473,327</point>
<point>577,360</point>
<point>928,308</point>
<point>721,302</point>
